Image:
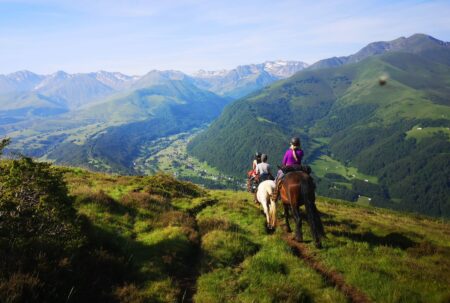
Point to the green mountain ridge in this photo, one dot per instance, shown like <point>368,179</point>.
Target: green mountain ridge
<point>345,112</point>
<point>417,43</point>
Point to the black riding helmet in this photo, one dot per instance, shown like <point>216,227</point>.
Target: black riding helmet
<point>295,141</point>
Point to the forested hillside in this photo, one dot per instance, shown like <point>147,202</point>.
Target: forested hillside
<point>385,120</point>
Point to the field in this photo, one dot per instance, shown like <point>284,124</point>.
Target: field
<point>169,155</point>
<point>213,247</point>
<point>419,133</point>
<point>326,165</point>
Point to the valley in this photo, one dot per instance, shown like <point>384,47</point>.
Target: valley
<point>366,142</point>
<point>169,155</point>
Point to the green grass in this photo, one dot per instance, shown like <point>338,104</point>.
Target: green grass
<point>419,133</point>
<point>391,257</point>
<point>261,119</point>
<point>325,165</point>
<point>364,201</point>
<point>269,274</point>
<point>136,215</point>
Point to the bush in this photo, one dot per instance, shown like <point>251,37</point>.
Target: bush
<point>38,229</point>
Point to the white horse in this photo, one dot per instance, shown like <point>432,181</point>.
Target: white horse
<point>264,196</point>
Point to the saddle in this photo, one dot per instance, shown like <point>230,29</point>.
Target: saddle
<point>292,168</point>
<point>296,167</point>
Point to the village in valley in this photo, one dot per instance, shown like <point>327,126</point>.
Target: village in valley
<point>169,155</point>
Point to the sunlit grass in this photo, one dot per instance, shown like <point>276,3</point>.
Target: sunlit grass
<point>325,165</point>
<point>391,257</point>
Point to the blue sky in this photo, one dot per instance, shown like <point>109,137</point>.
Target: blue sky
<point>135,37</point>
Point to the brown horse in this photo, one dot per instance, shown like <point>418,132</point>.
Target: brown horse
<point>297,188</point>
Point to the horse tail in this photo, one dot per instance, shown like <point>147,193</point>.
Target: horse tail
<point>308,196</point>
<point>273,205</point>
<point>270,203</point>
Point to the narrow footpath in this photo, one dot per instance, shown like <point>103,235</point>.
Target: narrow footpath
<point>188,283</point>
<point>332,277</point>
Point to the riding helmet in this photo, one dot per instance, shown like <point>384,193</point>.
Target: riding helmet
<point>295,141</point>
<point>257,155</point>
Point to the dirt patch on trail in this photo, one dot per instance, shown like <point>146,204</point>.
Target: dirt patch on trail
<point>333,277</point>
<point>188,283</point>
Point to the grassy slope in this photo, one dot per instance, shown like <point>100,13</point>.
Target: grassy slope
<point>390,256</point>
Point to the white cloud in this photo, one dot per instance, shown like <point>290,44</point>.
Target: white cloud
<point>136,36</point>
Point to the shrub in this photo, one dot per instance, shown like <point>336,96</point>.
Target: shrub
<point>129,293</point>
<point>20,287</point>
<point>38,228</point>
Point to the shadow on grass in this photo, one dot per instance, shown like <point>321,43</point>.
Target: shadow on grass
<point>195,210</point>
<point>394,239</point>
<point>347,223</point>
<point>168,257</point>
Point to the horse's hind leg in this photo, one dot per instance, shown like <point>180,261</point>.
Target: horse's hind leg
<point>298,223</point>
<point>286,217</point>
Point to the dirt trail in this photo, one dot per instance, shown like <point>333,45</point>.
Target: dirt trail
<point>188,283</point>
<point>333,277</point>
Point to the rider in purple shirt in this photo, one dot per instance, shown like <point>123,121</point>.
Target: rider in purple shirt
<point>290,159</point>
<point>293,156</point>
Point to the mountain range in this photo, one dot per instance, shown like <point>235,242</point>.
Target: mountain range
<point>77,118</point>
<point>374,126</point>
<point>72,91</point>
<point>245,79</point>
